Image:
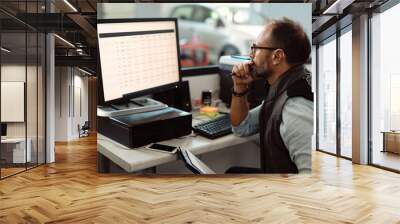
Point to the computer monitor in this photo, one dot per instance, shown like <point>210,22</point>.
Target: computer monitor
<point>138,56</point>
<point>3,129</point>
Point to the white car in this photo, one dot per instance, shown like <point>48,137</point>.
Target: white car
<point>227,29</point>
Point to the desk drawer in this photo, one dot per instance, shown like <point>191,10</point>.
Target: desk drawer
<point>392,142</point>
<point>6,154</point>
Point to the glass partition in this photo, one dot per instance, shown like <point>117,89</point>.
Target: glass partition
<point>385,89</point>
<point>346,93</point>
<point>327,95</point>
<point>14,143</point>
<point>31,98</point>
<point>41,97</point>
<point>22,90</point>
<point>32,91</point>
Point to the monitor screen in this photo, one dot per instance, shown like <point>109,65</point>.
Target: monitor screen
<point>3,129</point>
<point>137,55</point>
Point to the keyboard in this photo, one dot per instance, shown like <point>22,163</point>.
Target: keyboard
<point>215,128</point>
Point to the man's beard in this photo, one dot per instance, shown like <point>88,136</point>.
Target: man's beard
<point>261,73</point>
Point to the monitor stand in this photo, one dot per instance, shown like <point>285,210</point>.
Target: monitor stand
<point>133,106</point>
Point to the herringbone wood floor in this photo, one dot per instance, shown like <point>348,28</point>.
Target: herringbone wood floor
<point>70,191</point>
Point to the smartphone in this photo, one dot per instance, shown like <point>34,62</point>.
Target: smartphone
<point>162,148</point>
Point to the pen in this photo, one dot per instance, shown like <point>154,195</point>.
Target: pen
<point>247,58</point>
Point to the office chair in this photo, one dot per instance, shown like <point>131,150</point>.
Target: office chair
<point>84,130</point>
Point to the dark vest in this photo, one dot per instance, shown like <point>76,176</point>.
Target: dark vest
<point>275,157</point>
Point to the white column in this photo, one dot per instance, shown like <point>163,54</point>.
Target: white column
<point>360,90</point>
<point>314,90</point>
<point>63,103</point>
<point>50,92</point>
<point>50,99</point>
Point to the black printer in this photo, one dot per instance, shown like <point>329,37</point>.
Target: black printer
<point>135,130</point>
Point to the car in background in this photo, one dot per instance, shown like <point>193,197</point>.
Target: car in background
<point>227,29</point>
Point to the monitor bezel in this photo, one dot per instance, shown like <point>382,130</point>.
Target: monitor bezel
<point>129,96</point>
<point>3,129</point>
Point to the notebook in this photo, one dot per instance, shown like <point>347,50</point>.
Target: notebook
<point>193,163</point>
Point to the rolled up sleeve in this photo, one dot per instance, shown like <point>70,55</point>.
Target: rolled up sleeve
<point>249,126</point>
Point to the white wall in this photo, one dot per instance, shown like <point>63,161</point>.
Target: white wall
<point>12,101</point>
<point>61,103</point>
<point>14,72</point>
<point>71,94</point>
<point>80,103</point>
<point>17,73</point>
<point>33,126</point>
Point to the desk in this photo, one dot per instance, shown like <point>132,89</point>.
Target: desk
<point>133,160</point>
<point>391,141</point>
<point>17,153</point>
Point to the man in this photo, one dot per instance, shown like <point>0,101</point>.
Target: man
<point>285,119</point>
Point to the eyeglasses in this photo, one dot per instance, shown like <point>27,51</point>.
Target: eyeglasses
<point>254,47</point>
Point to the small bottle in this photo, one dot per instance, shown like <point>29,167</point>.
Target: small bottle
<point>206,97</point>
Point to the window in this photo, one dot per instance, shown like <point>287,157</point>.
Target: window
<point>385,89</point>
<point>394,102</point>
<point>335,137</point>
<point>201,14</point>
<point>327,95</point>
<point>346,93</point>
<point>183,13</point>
<point>208,31</point>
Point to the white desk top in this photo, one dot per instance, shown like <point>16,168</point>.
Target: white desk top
<point>13,140</point>
<point>132,160</point>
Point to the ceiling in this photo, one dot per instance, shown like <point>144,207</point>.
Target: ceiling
<point>72,20</point>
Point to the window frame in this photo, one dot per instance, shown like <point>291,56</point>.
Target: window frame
<point>333,33</point>
<point>332,37</point>
<point>378,10</point>
<point>341,32</point>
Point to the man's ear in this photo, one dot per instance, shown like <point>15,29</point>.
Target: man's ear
<point>278,56</point>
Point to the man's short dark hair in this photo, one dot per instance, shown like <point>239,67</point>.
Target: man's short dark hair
<point>290,36</point>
